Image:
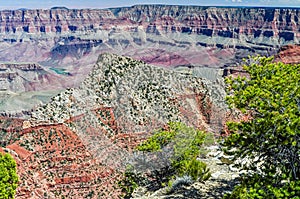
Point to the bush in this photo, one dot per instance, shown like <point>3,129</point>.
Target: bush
<point>185,144</point>
<point>270,138</point>
<point>129,182</point>
<point>178,182</point>
<point>8,176</point>
<point>263,189</point>
<point>194,168</point>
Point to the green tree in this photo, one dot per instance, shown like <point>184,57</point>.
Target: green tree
<point>271,138</point>
<point>8,176</point>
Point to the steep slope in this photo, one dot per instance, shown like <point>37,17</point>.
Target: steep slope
<point>140,94</point>
<point>78,144</point>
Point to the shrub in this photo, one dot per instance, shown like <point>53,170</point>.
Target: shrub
<point>8,176</point>
<point>194,168</point>
<point>186,143</point>
<point>180,181</point>
<point>270,138</point>
<point>258,188</point>
<point>157,141</point>
<point>131,181</point>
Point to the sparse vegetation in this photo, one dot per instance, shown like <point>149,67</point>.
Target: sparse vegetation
<point>131,181</point>
<point>185,145</point>
<point>270,138</point>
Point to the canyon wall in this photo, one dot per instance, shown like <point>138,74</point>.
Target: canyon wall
<point>158,34</point>
<point>78,142</point>
<point>222,22</point>
<point>210,21</point>
<point>67,42</point>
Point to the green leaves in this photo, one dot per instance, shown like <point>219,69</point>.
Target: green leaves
<point>8,176</point>
<point>186,144</point>
<point>194,168</point>
<point>271,98</point>
<point>159,139</point>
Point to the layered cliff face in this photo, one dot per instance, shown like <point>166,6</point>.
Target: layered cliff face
<point>157,34</point>
<point>68,42</point>
<point>210,21</point>
<point>223,22</point>
<point>54,20</point>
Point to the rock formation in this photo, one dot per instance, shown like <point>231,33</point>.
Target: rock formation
<point>289,54</point>
<point>79,143</point>
<point>140,94</point>
<point>68,41</point>
<point>158,34</point>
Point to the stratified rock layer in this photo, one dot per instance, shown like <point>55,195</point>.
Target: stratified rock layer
<point>68,41</point>
<point>157,34</point>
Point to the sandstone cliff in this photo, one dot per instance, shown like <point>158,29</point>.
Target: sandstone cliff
<point>209,21</point>
<point>158,34</point>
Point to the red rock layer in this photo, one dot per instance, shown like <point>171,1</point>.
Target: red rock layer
<point>223,22</point>
<point>60,20</point>
<point>289,54</point>
<point>53,162</point>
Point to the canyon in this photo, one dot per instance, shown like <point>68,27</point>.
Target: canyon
<point>67,42</point>
<point>209,36</point>
<point>80,88</point>
<point>79,143</point>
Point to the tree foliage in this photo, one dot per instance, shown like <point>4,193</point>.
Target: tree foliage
<point>271,138</point>
<point>8,176</point>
